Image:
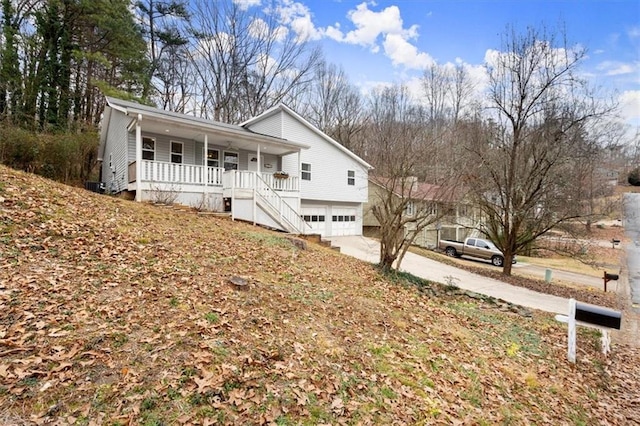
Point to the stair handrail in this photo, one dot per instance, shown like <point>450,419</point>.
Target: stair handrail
<point>291,214</point>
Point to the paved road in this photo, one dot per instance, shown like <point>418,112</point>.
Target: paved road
<point>369,250</point>
<point>632,230</point>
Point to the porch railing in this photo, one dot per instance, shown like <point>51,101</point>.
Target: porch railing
<point>189,174</point>
<point>241,179</point>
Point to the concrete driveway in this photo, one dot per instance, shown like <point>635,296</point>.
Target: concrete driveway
<point>369,250</point>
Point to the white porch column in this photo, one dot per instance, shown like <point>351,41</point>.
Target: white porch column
<point>205,160</point>
<point>138,158</point>
<point>259,162</point>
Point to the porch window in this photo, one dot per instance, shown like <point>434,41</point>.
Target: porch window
<point>306,171</point>
<point>351,177</point>
<point>213,158</point>
<point>230,160</point>
<point>148,148</point>
<point>176,152</point>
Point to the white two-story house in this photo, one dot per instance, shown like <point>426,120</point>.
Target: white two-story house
<point>275,170</point>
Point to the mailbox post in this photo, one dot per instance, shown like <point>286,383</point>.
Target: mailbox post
<point>609,277</point>
<point>591,316</point>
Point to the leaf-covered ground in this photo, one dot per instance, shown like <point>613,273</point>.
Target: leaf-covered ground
<point>113,312</point>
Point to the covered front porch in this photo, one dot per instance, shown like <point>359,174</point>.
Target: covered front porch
<point>213,166</point>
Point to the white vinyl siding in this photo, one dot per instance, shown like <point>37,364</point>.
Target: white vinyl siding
<point>329,166</point>
<point>163,148</point>
<point>116,177</point>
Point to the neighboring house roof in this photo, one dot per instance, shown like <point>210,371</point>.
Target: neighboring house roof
<point>420,191</point>
<point>282,107</point>
<point>178,119</point>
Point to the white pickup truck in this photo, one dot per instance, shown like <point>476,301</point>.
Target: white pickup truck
<point>474,247</point>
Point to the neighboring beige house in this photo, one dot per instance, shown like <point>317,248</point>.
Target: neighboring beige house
<point>454,219</point>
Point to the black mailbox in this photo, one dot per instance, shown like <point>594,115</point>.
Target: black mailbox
<point>611,277</point>
<point>597,315</point>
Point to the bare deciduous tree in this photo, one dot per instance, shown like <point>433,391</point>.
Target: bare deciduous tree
<point>245,61</point>
<point>520,165</point>
<point>399,146</point>
<point>335,106</point>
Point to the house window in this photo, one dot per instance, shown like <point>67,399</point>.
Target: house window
<point>213,158</point>
<point>176,152</point>
<point>351,177</point>
<point>410,209</point>
<point>306,171</point>
<point>148,148</point>
<point>230,160</point>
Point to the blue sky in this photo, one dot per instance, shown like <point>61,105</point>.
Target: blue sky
<point>387,41</point>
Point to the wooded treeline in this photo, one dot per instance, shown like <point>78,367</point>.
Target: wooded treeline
<point>535,137</point>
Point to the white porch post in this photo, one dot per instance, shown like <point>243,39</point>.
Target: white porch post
<point>205,160</point>
<point>259,162</point>
<point>255,185</point>
<point>138,158</point>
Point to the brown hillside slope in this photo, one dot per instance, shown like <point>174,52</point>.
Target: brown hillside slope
<point>113,312</point>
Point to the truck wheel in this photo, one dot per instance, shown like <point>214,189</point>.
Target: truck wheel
<point>451,251</point>
<point>497,260</point>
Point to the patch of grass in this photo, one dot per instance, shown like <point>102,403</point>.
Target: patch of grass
<point>380,350</point>
<point>212,317</point>
<point>174,302</point>
<point>149,403</point>
<point>119,339</point>
<point>405,278</point>
<point>267,239</point>
<point>388,393</point>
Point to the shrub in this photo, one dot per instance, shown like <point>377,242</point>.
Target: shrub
<point>634,177</point>
<point>19,148</point>
<point>68,157</point>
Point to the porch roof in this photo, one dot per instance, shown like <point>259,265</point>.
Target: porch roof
<point>169,123</point>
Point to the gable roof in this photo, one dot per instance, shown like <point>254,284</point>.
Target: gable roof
<point>283,108</point>
<point>420,191</point>
<point>186,121</point>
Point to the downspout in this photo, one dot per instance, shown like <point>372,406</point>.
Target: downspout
<point>138,158</point>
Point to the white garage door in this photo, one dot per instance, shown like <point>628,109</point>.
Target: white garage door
<point>343,221</point>
<point>316,217</point>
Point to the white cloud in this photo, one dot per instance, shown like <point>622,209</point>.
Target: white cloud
<point>386,27</point>
<point>401,52</point>
<point>298,17</point>
<point>618,68</point>
<point>370,25</point>
<point>634,32</point>
<point>630,105</point>
<point>259,28</point>
<point>246,4</point>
